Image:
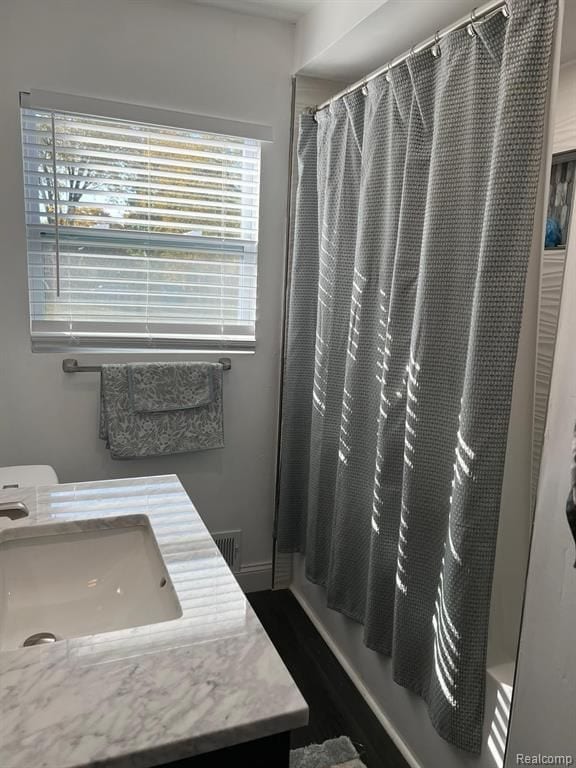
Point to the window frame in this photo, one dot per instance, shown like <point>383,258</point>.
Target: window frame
<point>56,335</point>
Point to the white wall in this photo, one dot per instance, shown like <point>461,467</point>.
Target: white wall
<point>324,26</point>
<point>545,690</point>
<point>346,40</point>
<point>162,53</point>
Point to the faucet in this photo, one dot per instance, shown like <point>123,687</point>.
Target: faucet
<point>13,509</point>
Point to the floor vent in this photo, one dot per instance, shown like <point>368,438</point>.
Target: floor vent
<point>228,542</point>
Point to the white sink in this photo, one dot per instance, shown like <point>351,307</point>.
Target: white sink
<point>70,580</point>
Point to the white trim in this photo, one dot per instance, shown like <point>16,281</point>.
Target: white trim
<point>64,102</point>
<point>255,577</point>
<point>399,742</point>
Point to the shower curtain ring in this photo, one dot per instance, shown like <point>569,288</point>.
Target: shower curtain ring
<point>364,89</point>
<point>436,50</point>
<point>388,73</point>
<point>506,11</point>
<point>471,28</point>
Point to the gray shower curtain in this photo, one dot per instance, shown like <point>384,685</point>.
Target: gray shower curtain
<point>413,230</point>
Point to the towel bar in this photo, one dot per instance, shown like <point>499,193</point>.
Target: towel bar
<point>70,365</point>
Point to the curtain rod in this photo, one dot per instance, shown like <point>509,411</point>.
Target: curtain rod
<point>488,9</point>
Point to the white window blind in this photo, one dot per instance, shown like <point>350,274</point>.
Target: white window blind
<point>139,235</point>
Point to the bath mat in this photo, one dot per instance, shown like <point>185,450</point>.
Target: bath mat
<point>335,753</point>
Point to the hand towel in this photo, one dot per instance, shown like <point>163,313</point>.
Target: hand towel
<point>133,434</point>
<point>170,386</point>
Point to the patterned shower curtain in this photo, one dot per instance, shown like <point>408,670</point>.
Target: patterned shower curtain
<point>414,219</point>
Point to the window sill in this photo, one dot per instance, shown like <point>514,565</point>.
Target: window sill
<point>141,351</point>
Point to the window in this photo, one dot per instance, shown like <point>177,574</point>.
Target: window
<point>139,234</point>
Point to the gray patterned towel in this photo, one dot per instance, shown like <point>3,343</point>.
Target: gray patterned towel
<point>131,434</point>
<point>170,386</point>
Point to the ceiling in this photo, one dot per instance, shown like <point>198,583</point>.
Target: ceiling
<point>285,10</point>
<point>293,10</point>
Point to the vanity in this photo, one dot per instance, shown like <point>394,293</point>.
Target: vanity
<point>125,640</point>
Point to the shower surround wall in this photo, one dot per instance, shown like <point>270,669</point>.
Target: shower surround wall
<point>172,55</point>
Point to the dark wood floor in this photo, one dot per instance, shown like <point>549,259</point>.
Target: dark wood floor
<point>336,706</point>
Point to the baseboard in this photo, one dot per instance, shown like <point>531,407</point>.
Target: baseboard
<point>255,577</point>
<point>399,742</point>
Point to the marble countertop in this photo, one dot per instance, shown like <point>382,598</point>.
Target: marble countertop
<point>148,695</point>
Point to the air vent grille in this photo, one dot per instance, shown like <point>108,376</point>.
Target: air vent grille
<point>228,542</point>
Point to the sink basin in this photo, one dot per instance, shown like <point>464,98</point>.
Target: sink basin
<point>70,580</point>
